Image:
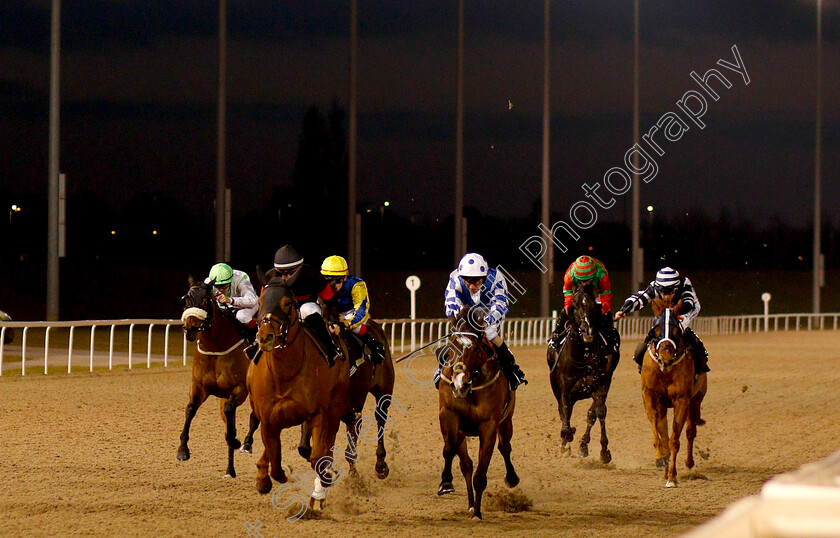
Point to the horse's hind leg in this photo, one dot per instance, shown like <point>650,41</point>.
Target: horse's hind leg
<point>197,397</point>
<point>505,435</point>
<point>601,415</point>
<point>351,453</point>
<point>583,451</point>
<point>248,442</point>
<point>691,430</point>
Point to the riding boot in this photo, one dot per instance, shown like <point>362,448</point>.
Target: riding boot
<point>558,336</point>
<point>513,373</point>
<point>641,349</point>
<point>610,334</point>
<point>443,360</point>
<point>318,326</point>
<point>698,352</point>
<point>377,350</point>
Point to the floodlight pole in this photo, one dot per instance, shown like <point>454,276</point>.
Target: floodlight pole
<point>459,141</point>
<point>637,261</point>
<point>353,234</point>
<point>547,277</point>
<point>818,258</point>
<point>221,254</point>
<point>52,183</point>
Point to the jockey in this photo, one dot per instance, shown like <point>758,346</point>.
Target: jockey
<point>233,289</point>
<point>474,283</point>
<point>353,303</point>
<point>670,288</point>
<point>585,269</point>
<point>307,286</point>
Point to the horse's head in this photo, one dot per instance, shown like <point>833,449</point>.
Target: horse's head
<point>198,309</point>
<point>587,310</point>
<point>469,348</point>
<point>668,346</point>
<point>277,314</point>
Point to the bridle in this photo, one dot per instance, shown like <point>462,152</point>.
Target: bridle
<point>667,325</point>
<point>195,307</point>
<point>279,325</point>
<point>468,341</point>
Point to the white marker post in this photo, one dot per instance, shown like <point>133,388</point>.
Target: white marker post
<point>766,298</point>
<point>413,284</point>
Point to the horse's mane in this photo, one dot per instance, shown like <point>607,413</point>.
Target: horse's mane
<point>471,319</point>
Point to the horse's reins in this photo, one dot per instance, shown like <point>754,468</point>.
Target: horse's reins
<point>459,367</point>
<point>268,319</point>
<point>655,356</point>
<point>234,346</point>
<point>422,348</point>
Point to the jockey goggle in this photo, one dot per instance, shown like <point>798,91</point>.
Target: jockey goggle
<point>336,279</point>
<point>473,280</point>
<point>286,273</point>
<point>667,290</point>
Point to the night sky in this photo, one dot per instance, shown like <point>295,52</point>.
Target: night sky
<point>139,100</point>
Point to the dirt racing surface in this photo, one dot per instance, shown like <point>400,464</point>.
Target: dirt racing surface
<point>94,454</point>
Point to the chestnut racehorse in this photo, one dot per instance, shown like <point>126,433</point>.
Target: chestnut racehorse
<point>219,367</point>
<point>583,368</point>
<point>293,384</point>
<point>377,381</point>
<point>668,381</point>
<point>475,400</point>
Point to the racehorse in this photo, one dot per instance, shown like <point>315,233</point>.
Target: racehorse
<point>475,400</point>
<point>291,385</point>
<point>219,367</point>
<point>583,368</point>
<point>668,381</point>
<point>366,379</point>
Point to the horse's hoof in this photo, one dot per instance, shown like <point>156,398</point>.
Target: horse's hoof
<point>512,480</point>
<point>317,504</point>
<point>183,454</point>
<point>565,451</point>
<point>305,452</point>
<point>229,475</point>
<point>446,487</point>
<point>583,452</point>
<point>671,484</point>
<point>234,443</point>
<point>606,457</point>
<point>353,472</point>
<point>661,463</point>
<point>382,472</point>
<point>248,449</point>
<point>264,485</point>
<point>476,515</point>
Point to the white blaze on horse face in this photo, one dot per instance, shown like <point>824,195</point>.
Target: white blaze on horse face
<point>458,382</point>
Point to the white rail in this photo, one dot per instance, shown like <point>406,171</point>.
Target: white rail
<point>404,335</point>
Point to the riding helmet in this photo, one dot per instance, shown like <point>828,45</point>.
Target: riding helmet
<point>667,280</point>
<point>583,268</point>
<point>221,273</point>
<point>334,266</point>
<point>472,265</point>
<point>287,258</point>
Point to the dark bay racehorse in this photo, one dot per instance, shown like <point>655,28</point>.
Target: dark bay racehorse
<point>293,384</point>
<point>668,381</point>
<point>377,381</point>
<point>583,368</point>
<point>219,367</point>
<point>475,400</point>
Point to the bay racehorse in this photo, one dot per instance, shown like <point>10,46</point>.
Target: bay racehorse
<point>220,367</point>
<point>474,400</point>
<point>583,368</point>
<point>292,384</point>
<point>366,378</point>
<point>668,381</point>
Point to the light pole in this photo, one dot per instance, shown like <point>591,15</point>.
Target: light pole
<point>818,257</point>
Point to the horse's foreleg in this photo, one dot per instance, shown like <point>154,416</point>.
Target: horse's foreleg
<point>304,445</point>
<point>599,401</point>
<point>381,413</point>
<point>656,415</point>
<point>505,435</point>
<point>567,433</point>
<point>466,465</point>
<point>691,429</point>
<point>248,442</point>
<point>587,435</point>
<point>270,460</point>
<point>680,414</point>
<point>487,439</point>
<point>449,430</point>
<point>197,397</point>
